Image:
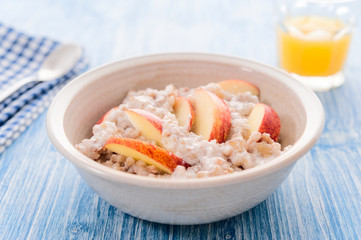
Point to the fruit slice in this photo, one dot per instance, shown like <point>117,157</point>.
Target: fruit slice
<point>236,86</point>
<point>148,153</point>
<point>149,124</point>
<point>104,117</point>
<point>264,119</point>
<point>184,113</point>
<point>212,116</point>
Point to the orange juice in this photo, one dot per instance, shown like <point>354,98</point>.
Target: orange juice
<point>313,46</point>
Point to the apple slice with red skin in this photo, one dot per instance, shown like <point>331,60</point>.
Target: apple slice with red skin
<point>104,117</point>
<point>265,119</point>
<point>149,124</point>
<point>148,153</point>
<point>212,116</point>
<point>184,112</point>
<point>236,86</point>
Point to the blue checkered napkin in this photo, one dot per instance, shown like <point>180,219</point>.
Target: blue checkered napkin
<point>20,56</point>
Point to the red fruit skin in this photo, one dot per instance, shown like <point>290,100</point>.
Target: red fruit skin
<point>270,124</point>
<point>152,118</point>
<point>102,119</point>
<point>162,156</point>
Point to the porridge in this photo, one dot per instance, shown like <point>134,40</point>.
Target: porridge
<point>212,130</point>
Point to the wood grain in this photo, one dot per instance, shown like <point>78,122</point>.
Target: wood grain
<point>43,197</point>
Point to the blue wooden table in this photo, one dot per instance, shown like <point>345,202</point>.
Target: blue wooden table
<point>43,197</point>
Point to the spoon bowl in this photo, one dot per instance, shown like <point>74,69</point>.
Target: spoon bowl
<point>58,63</point>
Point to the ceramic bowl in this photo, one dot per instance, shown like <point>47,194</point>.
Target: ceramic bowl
<point>84,100</point>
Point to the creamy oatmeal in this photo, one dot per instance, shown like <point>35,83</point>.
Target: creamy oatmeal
<point>202,157</point>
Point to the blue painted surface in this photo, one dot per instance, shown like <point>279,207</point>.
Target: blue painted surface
<point>43,197</point>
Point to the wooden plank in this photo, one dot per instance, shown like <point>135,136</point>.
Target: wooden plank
<point>43,197</point>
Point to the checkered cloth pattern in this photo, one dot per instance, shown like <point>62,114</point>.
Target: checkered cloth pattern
<point>21,56</point>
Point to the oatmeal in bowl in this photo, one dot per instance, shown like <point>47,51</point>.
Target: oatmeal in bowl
<point>211,130</point>
<point>223,149</point>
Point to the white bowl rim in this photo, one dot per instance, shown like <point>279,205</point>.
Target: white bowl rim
<point>314,125</point>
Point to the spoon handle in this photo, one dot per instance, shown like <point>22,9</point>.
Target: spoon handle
<point>13,88</point>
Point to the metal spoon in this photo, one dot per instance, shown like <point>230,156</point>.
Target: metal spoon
<point>58,63</point>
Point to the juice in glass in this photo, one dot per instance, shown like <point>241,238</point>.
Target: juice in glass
<point>313,45</point>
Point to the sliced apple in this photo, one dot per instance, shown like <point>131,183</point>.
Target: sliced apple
<point>184,112</point>
<point>148,153</point>
<point>149,124</point>
<point>236,86</point>
<point>265,119</point>
<point>104,117</point>
<point>212,116</point>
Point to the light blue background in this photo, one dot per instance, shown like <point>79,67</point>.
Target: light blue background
<point>43,197</point>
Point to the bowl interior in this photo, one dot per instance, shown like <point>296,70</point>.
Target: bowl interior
<point>83,101</point>
<point>101,89</point>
